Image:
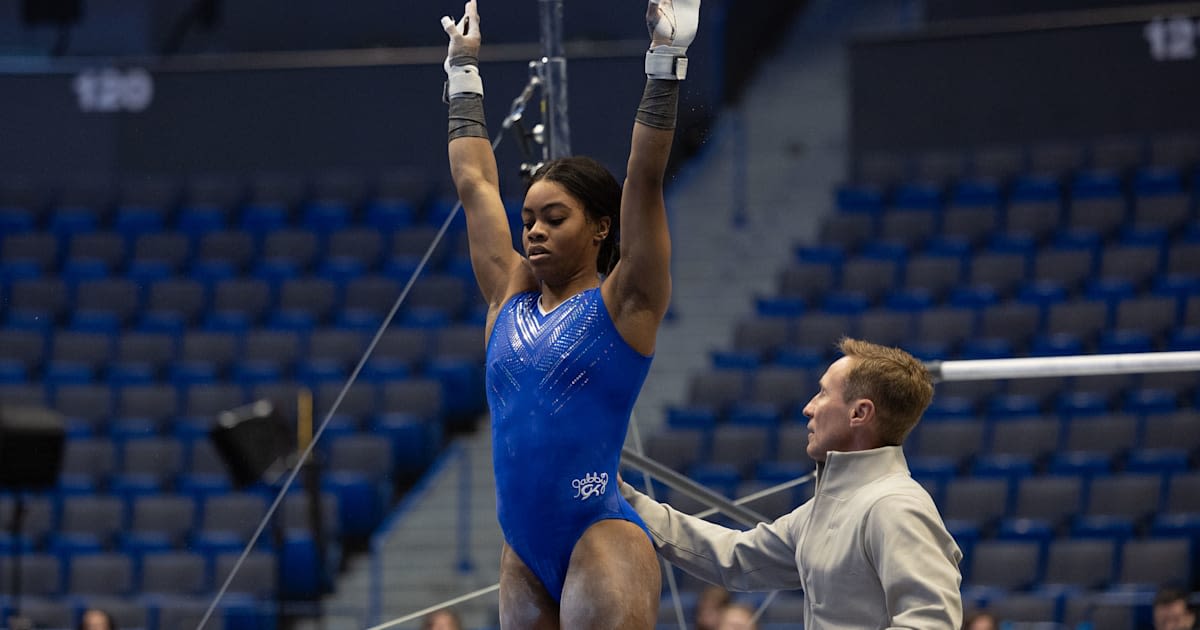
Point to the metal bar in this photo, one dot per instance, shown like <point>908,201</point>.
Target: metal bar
<point>635,435</point>
<point>1042,367</point>
<point>765,492</point>
<point>554,77</point>
<point>446,604</point>
<point>690,488</point>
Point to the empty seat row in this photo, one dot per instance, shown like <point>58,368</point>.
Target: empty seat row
<point>1143,160</point>
<point>235,303</point>
<point>157,352</point>
<point>1126,270</point>
<point>161,521</point>
<point>294,250</point>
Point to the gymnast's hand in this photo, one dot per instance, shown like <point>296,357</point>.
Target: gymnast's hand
<point>672,22</point>
<point>464,38</point>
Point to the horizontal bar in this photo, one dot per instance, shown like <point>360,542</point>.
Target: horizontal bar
<point>689,488</point>
<point>1083,365</point>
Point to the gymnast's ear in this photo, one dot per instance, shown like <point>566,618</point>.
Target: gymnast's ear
<point>603,225</point>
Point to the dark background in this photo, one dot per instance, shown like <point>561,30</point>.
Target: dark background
<point>969,88</point>
<point>940,10</point>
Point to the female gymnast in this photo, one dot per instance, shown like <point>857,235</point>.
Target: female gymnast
<point>570,330</point>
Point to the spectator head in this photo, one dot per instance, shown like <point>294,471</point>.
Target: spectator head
<point>708,607</point>
<point>1172,612</point>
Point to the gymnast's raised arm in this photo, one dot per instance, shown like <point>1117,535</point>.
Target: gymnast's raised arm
<point>473,165</point>
<point>639,288</point>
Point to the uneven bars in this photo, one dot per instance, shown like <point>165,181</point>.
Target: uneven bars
<point>1080,365</point>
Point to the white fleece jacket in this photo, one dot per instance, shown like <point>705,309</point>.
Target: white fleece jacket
<point>869,549</point>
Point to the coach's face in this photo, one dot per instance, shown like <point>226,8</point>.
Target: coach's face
<point>829,414</point>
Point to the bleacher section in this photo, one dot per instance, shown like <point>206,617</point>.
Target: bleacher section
<point>140,310</point>
<point>1073,499</point>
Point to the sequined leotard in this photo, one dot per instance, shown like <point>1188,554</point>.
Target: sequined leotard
<point>560,386</point>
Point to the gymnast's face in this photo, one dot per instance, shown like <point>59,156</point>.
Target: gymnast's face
<point>829,414</point>
<point>560,241</point>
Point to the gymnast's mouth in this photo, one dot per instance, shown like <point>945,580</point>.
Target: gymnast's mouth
<point>537,251</point>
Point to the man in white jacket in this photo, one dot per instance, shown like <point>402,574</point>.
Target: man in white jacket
<point>869,549</point>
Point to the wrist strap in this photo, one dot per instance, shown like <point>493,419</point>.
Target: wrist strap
<point>466,117</point>
<point>463,80</point>
<point>667,62</point>
<point>660,103</point>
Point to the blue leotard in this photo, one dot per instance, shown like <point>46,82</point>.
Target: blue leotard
<point>560,386</point>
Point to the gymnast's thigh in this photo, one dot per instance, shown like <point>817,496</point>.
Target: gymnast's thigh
<point>614,580</point>
<point>524,602</point>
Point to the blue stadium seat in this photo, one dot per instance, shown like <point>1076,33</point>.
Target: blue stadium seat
<point>864,199</point>
<point>741,446</point>
<point>1118,529</point>
<point>1185,339</point>
<point>722,478</point>
<point>1029,437</point>
<point>741,360</point>
<point>341,270</point>
<point>1044,390</point>
<point>678,447</point>
<point>414,443</point>
<point>691,417</point>
<point>976,192</point>
<point>1074,566</point>
<point>359,503</point>
<point>105,247</point>
<point>325,215</point>
<point>132,219</point>
<point>1058,344</point>
<point>1151,401</point>
<point>933,472</point>
<point>174,573</point>
<point>1013,405</point>
<point>1082,404</point>
<point>1152,181</point>
<point>848,231</point>
<point>42,574</point>
<point>66,222</point>
<point>1010,467</point>
<point>15,220</point>
<point>365,246</point>
<point>1158,461</point>
<point>1147,563</point>
<point>257,580</point>
<point>1171,429</point>
<point>1031,608</point>
<point>983,501</point>
<point>1005,565</point>
<point>389,214</point>
<point>1086,464</point>
<point>846,303</point>
<point>100,574</point>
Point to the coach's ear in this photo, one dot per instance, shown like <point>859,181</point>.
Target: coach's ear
<point>862,412</point>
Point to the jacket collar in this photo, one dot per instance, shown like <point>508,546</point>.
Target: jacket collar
<point>844,472</point>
